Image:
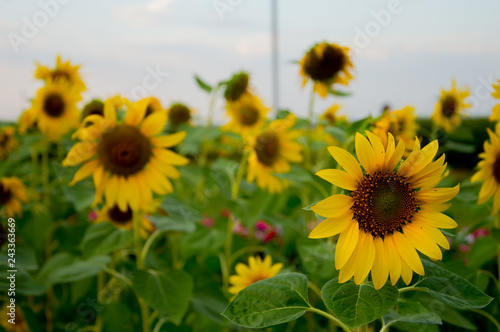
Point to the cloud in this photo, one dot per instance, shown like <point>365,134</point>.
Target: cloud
<point>147,12</point>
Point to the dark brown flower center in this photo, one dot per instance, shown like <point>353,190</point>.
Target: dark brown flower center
<point>496,168</point>
<point>4,139</point>
<point>267,148</point>
<point>5,194</point>
<point>330,118</point>
<point>327,66</point>
<point>93,107</point>
<point>53,105</point>
<point>248,115</point>
<point>383,203</point>
<point>449,106</point>
<point>59,74</point>
<point>124,150</point>
<point>118,216</point>
<point>236,86</point>
<point>179,114</point>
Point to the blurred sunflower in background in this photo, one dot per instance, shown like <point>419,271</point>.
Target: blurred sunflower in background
<point>63,72</point>
<point>451,107</point>
<point>236,87</point>
<point>179,114</point>
<point>271,153</point>
<point>128,160</point>
<point>13,194</point>
<point>256,270</point>
<point>402,124</point>
<point>53,110</point>
<point>94,106</point>
<point>8,141</point>
<point>326,64</point>
<point>248,115</point>
<point>328,118</point>
<point>495,115</point>
<point>152,105</point>
<point>388,212</point>
<point>20,324</point>
<point>124,219</point>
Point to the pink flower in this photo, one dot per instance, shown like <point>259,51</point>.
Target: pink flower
<point>208,222</point>
<point>225,213</point>
<point>463,247</point>
<point>481,232</point>
<point>92,215</point>
<point>262,225</point>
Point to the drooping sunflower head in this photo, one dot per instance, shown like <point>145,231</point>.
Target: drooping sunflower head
<point>495,115</point>
<point>248,115</point>
<point>402,124</point>
<point>124,219</point>
<point>451,107</point>
<point>12,195</point>
<point>8,141</point>
<point>256,270</point>
<point>63,72</point>
<point>128,160</point>
<point>54,110</point>
<point>237,86</point>
<point>386,212</point>
<point>271,152</point>
<point>94,106</point>
<point>326,64</point>
<point>178,114</point>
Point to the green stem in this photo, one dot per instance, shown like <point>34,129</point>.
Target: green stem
<point>159,325</point>
<point>497,225</point>
<point>119,276</point>
<point>314,288</point>
<point>148,244</point>
<point>330,317</point>
<point>140,266</point>
<point>211,106</point>
<point>239,176</point>
<point>487,315</point>
<point>45,174</point>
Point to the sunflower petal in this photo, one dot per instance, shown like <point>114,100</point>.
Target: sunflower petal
<point>338,178</point>
<point>333,206</point>
<point>365,153</point>
<point>331,226</point>
<point>154,124</point>
<point>168,141</point>
<point>346,161</point>
<point>85,171</point>
<point>346,244</point>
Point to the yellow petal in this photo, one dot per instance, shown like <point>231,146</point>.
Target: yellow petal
<point>170,157</point>
<point>110,111</point>
<point>111,191</point>
<point>406,272</point>
<point>408,253</point>
<point>346,161</point>
<point>487,190</point>
<point>378,149</point>
<point>85,171</point>
<point>380,268</point>
<point>422,242</point>
<point>331,226</point>
<point>437,195</point>
<point>365,153</point>
<point>339,178</point>
<point>435,219</point>
<point>393,160</point>
<point>333,206</point>
<point>79,153</point>
<point>168,141</point>
<point>365,255</point>
<point>416,162</point>
<point>154,123</point>
<point>122,193</point>
<point>346,244</point>
<point>394,259</point>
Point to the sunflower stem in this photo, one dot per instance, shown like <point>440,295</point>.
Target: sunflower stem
<point>497,225</point>
<point>45,174</point>
<point>140,266</point>
<point>487,315</point>
<point>330,317</point>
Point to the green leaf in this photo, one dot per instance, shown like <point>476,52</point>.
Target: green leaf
<point>317,258</point>
<point>210,306</point>
<point>272,301</point>
<point>202,84</point>
<point>411,312</point>
<point>339,93</point>
<point>167,292</point>
<point>103,238</point>
<point>164,223</point>
<point>357,305</point>
<point>451,289</point>
<point>460,147</point>
<point>296,175</point>
<point>495,232</point>
<point>337,132</point>
<point>483,250</point>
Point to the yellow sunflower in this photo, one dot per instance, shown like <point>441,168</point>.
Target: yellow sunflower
<point>12,195</point>
<point>489,170</point>
<point>326,64</point>
<point>248,115</point>
<point>53,110</point>
<point>451,107</point>
<point>20,324</point>
<point>64,71</point>
<point>271,153</point>
<point>256,270</point>
<point>128,160</point>
<point>178,114</point>
<point>402,124</point>
<point>8,141</point>
<point>328,118</point>
<point>387,212</point>
<point>124,220</point>
<point>495,115</point>
<point>94,106</point>
<point>236,87</point>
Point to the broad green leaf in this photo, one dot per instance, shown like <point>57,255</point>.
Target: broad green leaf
<point>210,306</point>
<point>451,289</point>
<point>317,258</point>
<point>483,250</point>
<point>81,195</point>
<point>296,175</point>
<point>357,305</point>
<point>453,317</point>
<point>116,316</point>
<point>495,232</point>
<point>268,302</point>
<point>167,292</point>
<point>24,282</point>
<point>460,147</point>
<point>202,84</point>
<point>164,223</point>
<point>411,312</point>
<point>337,132</point>
<point>103,238</point>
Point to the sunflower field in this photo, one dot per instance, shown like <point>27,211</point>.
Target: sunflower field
<point>129,215</point>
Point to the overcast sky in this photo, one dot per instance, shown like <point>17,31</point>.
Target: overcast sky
<point>404,57</point>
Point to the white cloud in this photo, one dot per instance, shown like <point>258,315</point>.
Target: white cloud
<point>147,12</point>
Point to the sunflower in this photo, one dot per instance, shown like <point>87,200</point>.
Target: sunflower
<point>19,325</point>
<point>248,115</point>
<point>94,106</point>
<point>326,64</point>
<point>402,124</point>
<point>451,107</point>
<point>237,86</point>
<point>495,115</point>
<point>178,114</point>
<point>128,160</point>
<point>64,72</point>
<point>8,141</point>
<point>124,220</point>
<point>387,212</point>
<point>12,194</point>
<point>53,110</point>
<point>271,152</point>
<point>256,270</point>
<point>328,118</point>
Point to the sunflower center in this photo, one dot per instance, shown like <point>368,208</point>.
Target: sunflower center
<point>95,107</point>
<point>4,139</point>
<point>53,105</point>
<point>327,66</point>
<point>236,87</point>
<point>124,150</point>
<point>118,216</point>
<point>449,106</point>
<point>331,119</point>
<point>179,114</point>
<point>249,115</point>
<point>383,203</point>
<point>496,168</point>
<point>267,148</point>
<point>59,74</point>
<point>5,194</point>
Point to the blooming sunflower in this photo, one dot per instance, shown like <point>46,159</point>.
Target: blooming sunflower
<point>178,114</point>
<point>388,212</point>
<point>402,124</point>
<point>237,86</point>
<point>8,141</point>
<point>53,110</point>
<point>248,115</point>
<point>256,270</point>
<point>12,194</point>
<point>124,220</point>
<point>495,115</point>
<point>64,71</point>
<point>326,64</point>
<point>451,107</point>
<point>271,152</point>
<point>128,160</point>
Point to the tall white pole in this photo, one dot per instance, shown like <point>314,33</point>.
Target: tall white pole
<point>274,48</point>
